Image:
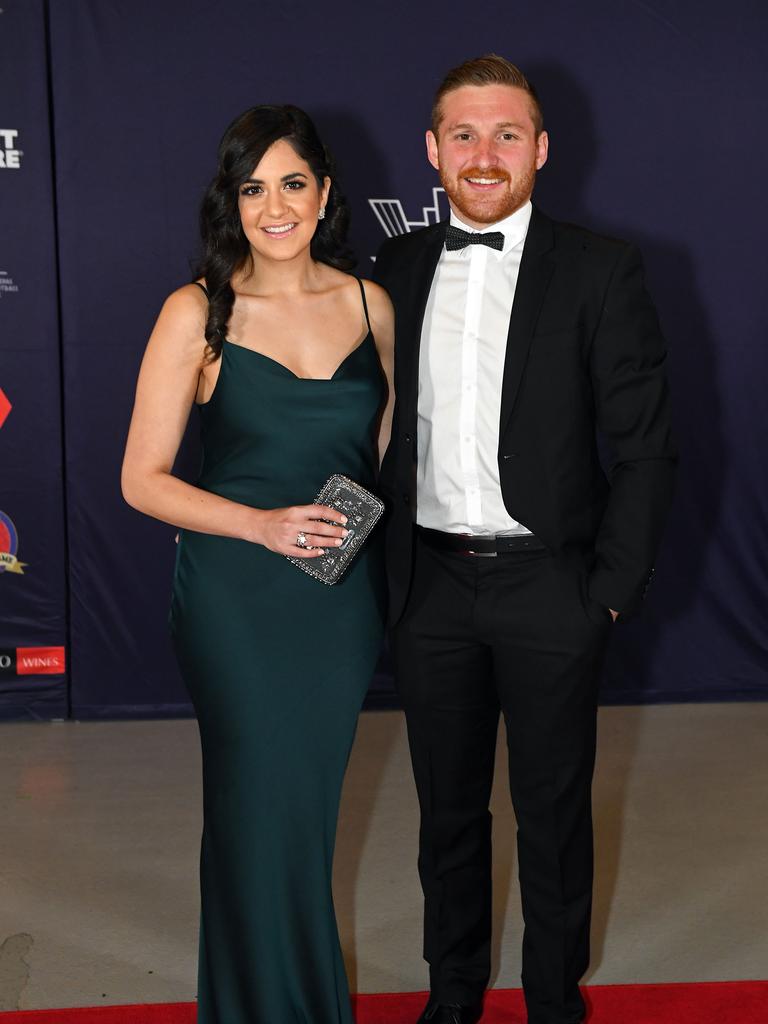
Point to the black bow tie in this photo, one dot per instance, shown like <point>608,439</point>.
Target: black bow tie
<point>455,238</point>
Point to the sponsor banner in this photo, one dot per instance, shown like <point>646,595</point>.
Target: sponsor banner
<point>7,285</point>
<point>10,153</point>
<point>9,546</point>
<point>40,661</point>
<point>391,215</point>
<point>33,661</point>
<point>33,599</point>
<point>5,407</point>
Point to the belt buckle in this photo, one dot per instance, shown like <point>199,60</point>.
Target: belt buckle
<point>482,554</point>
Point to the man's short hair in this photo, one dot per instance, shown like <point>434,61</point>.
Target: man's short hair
<point>488,70</point>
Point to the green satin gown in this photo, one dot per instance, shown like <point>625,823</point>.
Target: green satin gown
<point>277,665</point>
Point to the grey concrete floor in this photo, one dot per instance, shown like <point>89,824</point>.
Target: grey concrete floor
<point>99,832</point>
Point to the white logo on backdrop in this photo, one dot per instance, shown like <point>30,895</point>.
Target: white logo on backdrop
<point>6,283</point>
<point>391,215</point>
<point>10,154</point>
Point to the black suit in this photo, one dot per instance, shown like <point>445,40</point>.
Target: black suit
<point>526,635</point>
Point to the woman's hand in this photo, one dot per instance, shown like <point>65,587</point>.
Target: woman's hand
<point>283,529</point>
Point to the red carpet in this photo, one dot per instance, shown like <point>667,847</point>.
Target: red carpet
<point>731,1002</point>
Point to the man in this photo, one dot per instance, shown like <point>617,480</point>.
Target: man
<point>510,553</point>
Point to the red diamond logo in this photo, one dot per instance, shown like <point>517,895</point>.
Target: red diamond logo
<point>5,407</point>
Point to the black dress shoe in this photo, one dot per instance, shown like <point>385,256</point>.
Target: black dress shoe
<point>451,1013</point>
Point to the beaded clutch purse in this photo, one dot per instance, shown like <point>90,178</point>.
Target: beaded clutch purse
<point>362,509</point>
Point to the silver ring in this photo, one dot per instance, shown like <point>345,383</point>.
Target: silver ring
<point>301,540</point>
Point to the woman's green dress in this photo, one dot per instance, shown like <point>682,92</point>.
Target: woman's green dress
<point>277,665</point>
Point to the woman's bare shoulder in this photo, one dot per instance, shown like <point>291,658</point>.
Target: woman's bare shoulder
<point>379,302</point>
<point>180,326</point>
<point>188,301</point>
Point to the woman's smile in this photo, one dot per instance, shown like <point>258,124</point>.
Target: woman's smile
<point>280,230</point>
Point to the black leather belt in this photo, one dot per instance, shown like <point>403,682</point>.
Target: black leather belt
<point>466,544</point>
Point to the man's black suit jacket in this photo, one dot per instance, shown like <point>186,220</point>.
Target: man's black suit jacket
<point>584,354</point>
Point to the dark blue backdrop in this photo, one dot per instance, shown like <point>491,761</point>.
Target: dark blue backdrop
<point>653,109</point>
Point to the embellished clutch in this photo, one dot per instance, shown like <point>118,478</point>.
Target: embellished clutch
<point>362,509</point>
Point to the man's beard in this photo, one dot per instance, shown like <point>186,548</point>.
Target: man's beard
<point>489,207</point>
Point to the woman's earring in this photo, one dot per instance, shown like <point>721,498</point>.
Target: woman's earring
<point>321,213</point>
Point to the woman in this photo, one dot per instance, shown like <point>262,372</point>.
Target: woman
<point>289,360</point>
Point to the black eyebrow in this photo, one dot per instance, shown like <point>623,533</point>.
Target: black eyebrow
<point>285,177</point>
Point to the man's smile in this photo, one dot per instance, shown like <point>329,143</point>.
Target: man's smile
<point>484,182</point>
<point>485,179</point>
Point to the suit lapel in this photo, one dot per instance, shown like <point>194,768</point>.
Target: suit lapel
<point>536,268</point>
<point>422,275</point>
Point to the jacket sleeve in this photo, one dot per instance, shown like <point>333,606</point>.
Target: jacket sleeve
<point>382,271</point>
<point>385,262</point>
<point>628,357</point>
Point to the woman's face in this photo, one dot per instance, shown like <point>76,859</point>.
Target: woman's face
<point>279,204</point>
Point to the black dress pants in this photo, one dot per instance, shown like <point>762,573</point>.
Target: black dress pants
<point>514,633</point>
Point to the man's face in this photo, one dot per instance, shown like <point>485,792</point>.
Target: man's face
<point>487,151</point>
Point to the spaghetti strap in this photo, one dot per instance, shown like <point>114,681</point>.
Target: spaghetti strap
<point>204,290</point>
<point>365,304</point>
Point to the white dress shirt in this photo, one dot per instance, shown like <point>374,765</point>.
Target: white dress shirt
<point>461,365</point>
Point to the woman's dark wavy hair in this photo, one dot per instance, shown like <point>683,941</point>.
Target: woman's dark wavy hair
<point>225,247</point>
